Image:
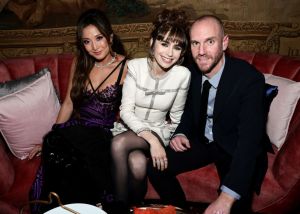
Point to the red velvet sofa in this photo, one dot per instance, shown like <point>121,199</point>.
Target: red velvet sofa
<point>281,187</point>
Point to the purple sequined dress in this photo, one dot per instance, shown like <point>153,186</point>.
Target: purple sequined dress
<point>90,136</point>
<point>98,109</point>
<point>88,180</point>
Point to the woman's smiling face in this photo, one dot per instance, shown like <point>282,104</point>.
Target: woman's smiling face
<point>166,53</point>
<point>95,42</point>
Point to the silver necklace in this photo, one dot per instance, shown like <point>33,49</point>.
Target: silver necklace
<point>97,65</point>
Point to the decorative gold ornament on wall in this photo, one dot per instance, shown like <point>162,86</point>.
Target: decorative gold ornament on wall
<point>281,38</point>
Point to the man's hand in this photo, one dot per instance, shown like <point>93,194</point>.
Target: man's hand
<point>180,143</point>
<point>222,205</point>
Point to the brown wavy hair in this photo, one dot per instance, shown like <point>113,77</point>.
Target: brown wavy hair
<point>85,62</point>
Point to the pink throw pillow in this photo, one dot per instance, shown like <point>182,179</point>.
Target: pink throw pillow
<point>26,115</point>
<point>282,108</point>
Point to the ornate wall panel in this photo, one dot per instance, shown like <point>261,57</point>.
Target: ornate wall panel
<point>264,37</point>
<point>281,38</point>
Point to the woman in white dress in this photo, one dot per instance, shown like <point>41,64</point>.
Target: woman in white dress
<point>154,94</point>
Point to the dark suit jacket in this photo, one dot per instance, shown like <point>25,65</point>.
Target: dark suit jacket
<point>238,122</point>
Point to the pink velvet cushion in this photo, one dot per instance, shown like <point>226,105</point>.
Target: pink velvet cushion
<point>12,86</point>
<point>26,115</point>
<point>282,108</point>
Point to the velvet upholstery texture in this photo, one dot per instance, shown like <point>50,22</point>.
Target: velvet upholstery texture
<point>20,175</point>
<point>5,169</point>
<point>12,86</point>
<point>282,108</point>
<point>281,187</point>
<point>27,114</point>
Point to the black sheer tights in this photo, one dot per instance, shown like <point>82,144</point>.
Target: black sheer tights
<point>129,167</point>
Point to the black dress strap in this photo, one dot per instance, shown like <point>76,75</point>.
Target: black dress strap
<point>121,71</point>
<point>90,82</point>
<point>94,90</point>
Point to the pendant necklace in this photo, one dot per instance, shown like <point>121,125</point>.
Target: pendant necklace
<point>97,65</point>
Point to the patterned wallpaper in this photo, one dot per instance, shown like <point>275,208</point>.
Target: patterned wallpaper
<point>47,26</point>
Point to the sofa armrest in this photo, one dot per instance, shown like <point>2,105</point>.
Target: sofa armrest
<point>286,167</point>
<point>7,172</point>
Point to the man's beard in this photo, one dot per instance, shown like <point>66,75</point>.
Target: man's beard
<point>214,63</point>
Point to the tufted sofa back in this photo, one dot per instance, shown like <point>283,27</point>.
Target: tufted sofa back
<point>59,66</point>
<point>284,66</point>
<point>289,154</point>
<point>284,165</point>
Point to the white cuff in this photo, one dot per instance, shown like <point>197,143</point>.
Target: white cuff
<point>230,192</point>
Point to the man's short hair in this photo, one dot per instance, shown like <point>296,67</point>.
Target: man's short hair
<point>204,17</point>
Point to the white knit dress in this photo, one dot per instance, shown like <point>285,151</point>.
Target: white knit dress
<point>146,100</point>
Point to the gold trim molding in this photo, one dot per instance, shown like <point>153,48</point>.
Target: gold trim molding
<point>244,36</point>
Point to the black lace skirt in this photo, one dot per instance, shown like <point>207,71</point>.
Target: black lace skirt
<point>76,164</point>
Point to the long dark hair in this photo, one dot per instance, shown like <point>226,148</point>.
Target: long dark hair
<point>171,22</point>
<point>85,62</point>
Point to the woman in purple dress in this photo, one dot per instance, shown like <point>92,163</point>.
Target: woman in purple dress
<point>82,128</point>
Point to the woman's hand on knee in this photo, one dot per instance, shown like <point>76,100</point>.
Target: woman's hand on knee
<point>158,155</point>
<point>157,151</point>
